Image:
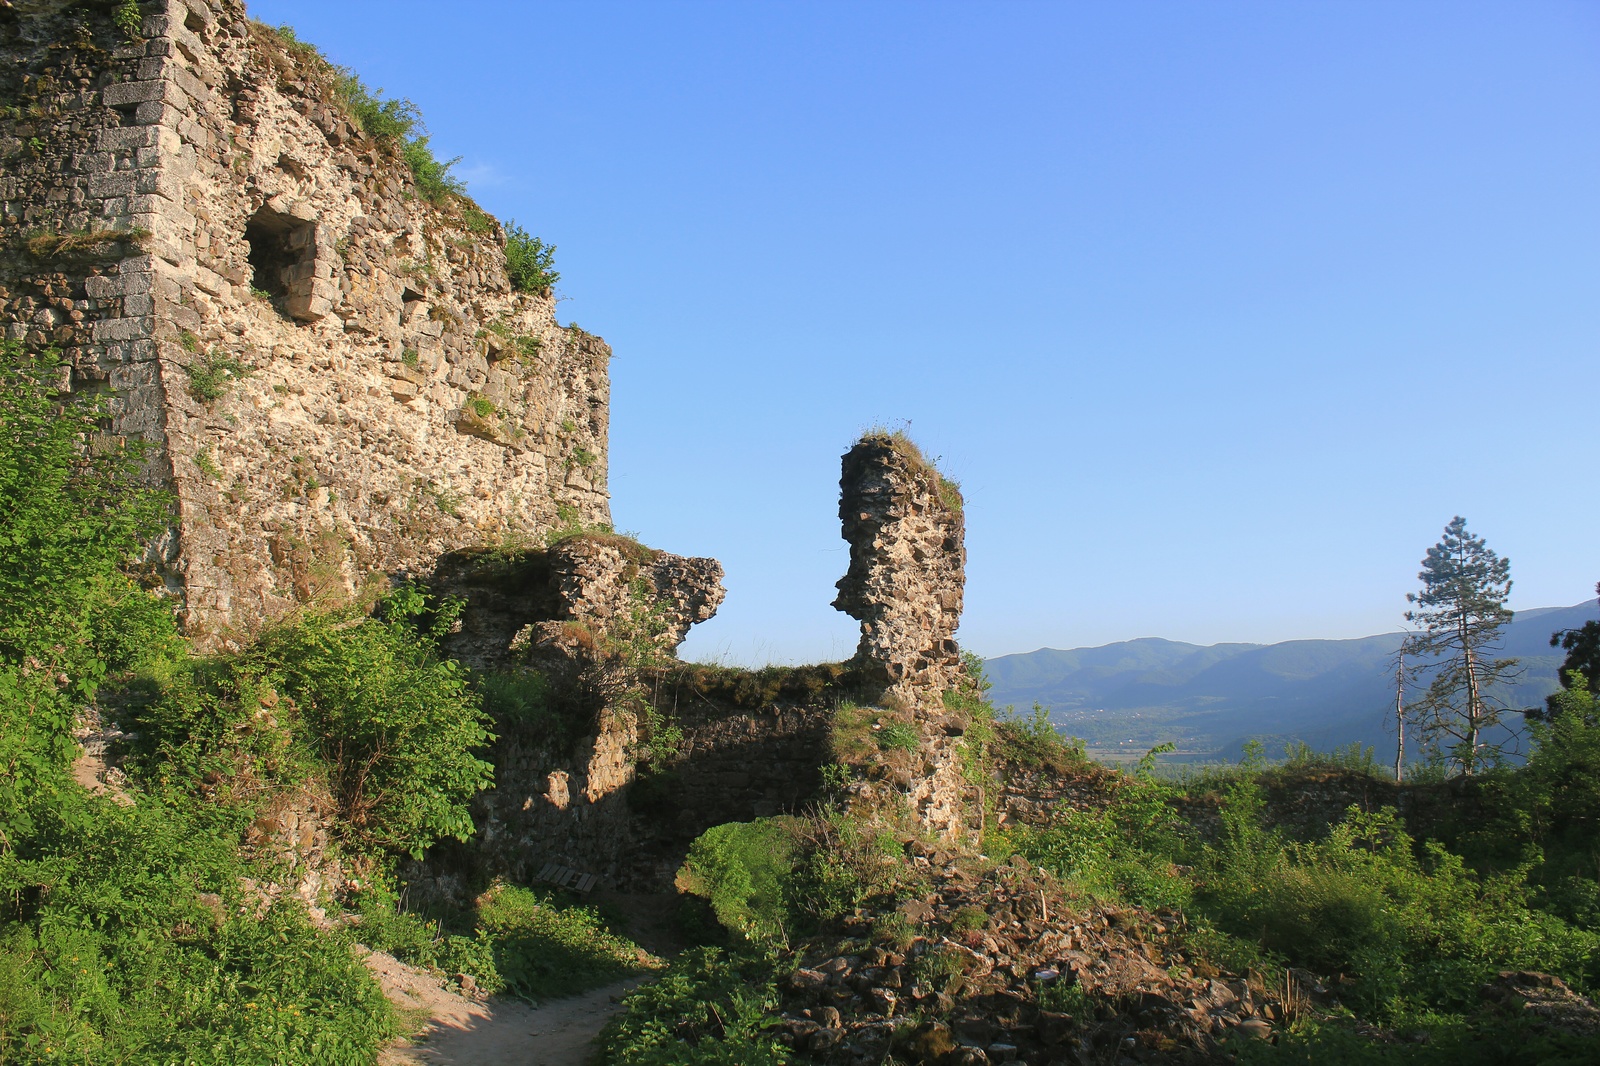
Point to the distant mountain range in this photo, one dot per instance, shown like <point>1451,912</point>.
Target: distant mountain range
<point>1135,694</point>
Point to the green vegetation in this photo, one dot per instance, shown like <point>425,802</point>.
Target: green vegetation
<point>709,1008</point>
<point>48,244</point>
<point>1415,926</point>
<point>129,19</point>
<point>1460,612</point>
<point>529,261</point>
<point>515,941</point>
<point>134,926</point>
<point>743,869</point>
<point>211,374</point>
<point>1035,743</point>
<point>898,440</point>
<point>392,121</point>
<point>206,463</point>
<point>126,935</point>
<point>361,706</point>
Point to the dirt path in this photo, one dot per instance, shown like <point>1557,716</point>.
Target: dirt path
<point>496,1032</point>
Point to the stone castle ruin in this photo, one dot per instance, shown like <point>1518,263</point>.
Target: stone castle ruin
<point>340,386</point>
<point>337,373</point>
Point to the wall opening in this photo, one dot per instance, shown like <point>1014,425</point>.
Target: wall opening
<point>283,261</point>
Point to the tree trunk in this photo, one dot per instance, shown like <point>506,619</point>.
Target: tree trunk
<point>1474,702</point>
<point>1400,716</point>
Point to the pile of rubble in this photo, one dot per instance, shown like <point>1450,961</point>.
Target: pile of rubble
<point>998,964</point>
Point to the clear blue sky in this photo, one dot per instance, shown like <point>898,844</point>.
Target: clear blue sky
<point>1218,311</point>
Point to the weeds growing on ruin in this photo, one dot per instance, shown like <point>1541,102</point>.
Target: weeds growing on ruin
<point>126,932</point>
<point>529,261</point>
<point>47,245</point>
<point>129,19</point>
<point>394,121</point>
<point>211,375</point>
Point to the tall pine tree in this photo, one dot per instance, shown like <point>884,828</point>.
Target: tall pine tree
<point>1459,613</point>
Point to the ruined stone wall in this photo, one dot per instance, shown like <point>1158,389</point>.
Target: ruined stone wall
<point>586,807</point>
<point>587,593</point>
<point>905,584</point>
<point>613,800</point>
<point>340,378</point>
<point>907,571</point>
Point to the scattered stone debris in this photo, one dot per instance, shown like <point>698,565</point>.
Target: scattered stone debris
<point>998,965</point>
<point>1545,999</point>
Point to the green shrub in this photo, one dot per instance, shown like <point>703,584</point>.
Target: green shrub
<point>125,934</point>
<point>1128,849</point>
<point>397,726</point>
<point>529,261</point>
<point>968,919</point>
<point>745,869</point>
<point>846,861</point>
<point>1353,758</point>
<point>709,1009</point>
<point>72,519</point>
<point>1414,926</point>
<point>365,702</point>
<point>895,929</point>
<point>129,19</point>
<point>399,122</point>
<point>939,967</point>
<point>543,949</point>
<point>211,374</point>
<point>125,938</point>
<point>1035,743</point>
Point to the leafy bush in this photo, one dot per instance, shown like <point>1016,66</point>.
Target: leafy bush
<point>396,724</point>
<point>364,701</point>
<point>212,373</point>
<point>124,935</point>
<point>1126,850</point>
<point>399,122</point>
<point>543,949</point>
<point>845,862</point>
<point>1035,743</point>
<point>125,938</point>
<point>708,1009</point>
<point>1354,758</point>
<point>745,869</point>
<point>1414,926</point>
<point>72,518</point>
<point>519,941</point>
<point>529,261</point>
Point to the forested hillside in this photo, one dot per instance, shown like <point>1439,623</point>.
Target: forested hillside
<point>1135,694</point>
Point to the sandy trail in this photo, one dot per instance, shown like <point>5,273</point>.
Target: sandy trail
<point>496,1032</point>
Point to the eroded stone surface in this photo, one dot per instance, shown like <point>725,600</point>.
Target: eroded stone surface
<point>587,594</point>
<point>907,567</point>
<point>905,584</point>
<point>338,376</point>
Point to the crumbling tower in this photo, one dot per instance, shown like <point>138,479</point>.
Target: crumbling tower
<point>907,573</point>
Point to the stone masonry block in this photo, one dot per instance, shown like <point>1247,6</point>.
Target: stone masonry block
<point>136,282</point>
<point>121,138</point>
<point>122,329</point>
<point>92,162</point>
<point>100,287</point>
<point>130,92</point>
<point>119,183</point>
